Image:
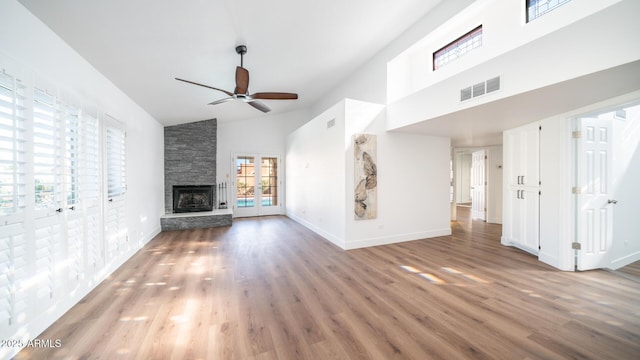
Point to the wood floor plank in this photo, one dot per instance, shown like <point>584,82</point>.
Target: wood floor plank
<point>268,288</point>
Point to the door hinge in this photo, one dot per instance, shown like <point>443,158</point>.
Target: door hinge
<point>575,245</point>
<point>576,134</point>
<point>576,190</point>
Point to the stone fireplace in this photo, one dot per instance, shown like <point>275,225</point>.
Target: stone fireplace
<point>189,162</point>
<point>192,198</point>
<point>189,158</point>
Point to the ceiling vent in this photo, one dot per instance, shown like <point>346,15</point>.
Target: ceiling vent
<point>493,84</point>
<point>465,94</point>
<point>480,89</point>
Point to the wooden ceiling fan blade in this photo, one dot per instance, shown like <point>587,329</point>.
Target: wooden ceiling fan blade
<point>260,106</point>
<point>206,86</point>
<point>242,81</point>
<point>274,96</point>
<point>222,101</point>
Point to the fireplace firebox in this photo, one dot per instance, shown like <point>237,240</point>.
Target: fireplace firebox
<point>192,198</point>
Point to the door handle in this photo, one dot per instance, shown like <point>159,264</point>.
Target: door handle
<point>611,201</point>
<point>59,210</point>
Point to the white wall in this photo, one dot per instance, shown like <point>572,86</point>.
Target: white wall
<point>413,189</point>
<point>315,175</point>
<point>503,31</point>
<point>585,45</point>
<point>30,46</point>
<point>413,179</point>
<point>626,175</point>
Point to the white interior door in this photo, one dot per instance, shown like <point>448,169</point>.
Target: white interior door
<point>478,185</point>
<point>595,206</point>
<point>257,185</point>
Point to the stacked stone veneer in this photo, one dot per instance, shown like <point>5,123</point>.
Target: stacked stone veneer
<point>190,159</point>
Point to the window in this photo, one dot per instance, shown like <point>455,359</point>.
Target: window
<point>537,8</point>
<point>12,144</point>
<point>116,171</point>
<point>458,48</point>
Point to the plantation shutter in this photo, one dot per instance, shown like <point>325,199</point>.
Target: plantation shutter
<point>116,178</point>
<point>12,145</point>
<point>46,151</point>
<point>116,235</point>
<point>90,189</point>
<point>13,247</point>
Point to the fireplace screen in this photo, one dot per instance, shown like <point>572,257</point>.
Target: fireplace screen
<point>192,198</point>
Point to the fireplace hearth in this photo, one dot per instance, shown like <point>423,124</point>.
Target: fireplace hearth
<point>192,198</point>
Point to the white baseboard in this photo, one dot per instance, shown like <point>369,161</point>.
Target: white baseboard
<point>386,240</point>
<point>336,240</point>
<point>624,261</point>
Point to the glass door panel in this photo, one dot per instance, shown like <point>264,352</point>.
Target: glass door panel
<point>246,181</point>
<point>269,181</point>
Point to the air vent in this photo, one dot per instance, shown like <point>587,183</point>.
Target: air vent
<point>493,84</point>
<point>480,89</point>
<point>621,114</point>
<point>465,94</point>
<point>331,123</point>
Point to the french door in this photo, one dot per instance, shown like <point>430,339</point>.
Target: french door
<point>257,188</point>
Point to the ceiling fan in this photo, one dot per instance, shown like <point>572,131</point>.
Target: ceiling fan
<point>241,92</point>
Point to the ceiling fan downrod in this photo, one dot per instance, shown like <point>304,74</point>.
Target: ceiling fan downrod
<point>241,49</point>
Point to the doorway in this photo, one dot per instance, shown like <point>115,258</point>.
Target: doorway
<point>257,187</point>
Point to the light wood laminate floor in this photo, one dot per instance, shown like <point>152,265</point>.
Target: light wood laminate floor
<point>268,288</point>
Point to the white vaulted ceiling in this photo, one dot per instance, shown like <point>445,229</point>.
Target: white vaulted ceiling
<point>305,47</point>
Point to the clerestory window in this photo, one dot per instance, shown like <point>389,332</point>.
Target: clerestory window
<point>458,48</point>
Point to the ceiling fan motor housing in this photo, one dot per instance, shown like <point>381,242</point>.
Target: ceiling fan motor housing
<point>241,49</point>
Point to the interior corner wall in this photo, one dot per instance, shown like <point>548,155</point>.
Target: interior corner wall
<point>413,189</point>
<point>189,157</point>
<point>626,172</point>
<point>266,134</point>
<point>315,173</point>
